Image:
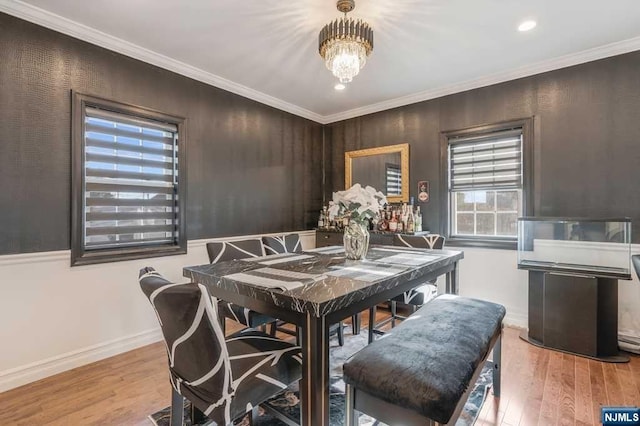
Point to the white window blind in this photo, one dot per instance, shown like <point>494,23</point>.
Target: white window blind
<point>492,161</point>
<point>394,179</point>
<point>130,181</point>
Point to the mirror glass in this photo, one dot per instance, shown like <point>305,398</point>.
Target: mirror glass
<point>384,168</point>
<point>381,171</point>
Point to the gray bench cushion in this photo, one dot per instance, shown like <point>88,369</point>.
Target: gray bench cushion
<point>427,362</point>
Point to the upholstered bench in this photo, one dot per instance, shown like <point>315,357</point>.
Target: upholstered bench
<point>422,372</point>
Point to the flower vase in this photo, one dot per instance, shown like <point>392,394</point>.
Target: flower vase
<point>356,240</point>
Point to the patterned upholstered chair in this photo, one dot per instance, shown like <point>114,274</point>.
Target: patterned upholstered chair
<point>420,295</point>
<point>290,243</point>
<point>224,379</point>
<point>232,250</point>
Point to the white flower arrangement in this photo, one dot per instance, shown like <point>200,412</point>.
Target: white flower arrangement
<point>357,203</point>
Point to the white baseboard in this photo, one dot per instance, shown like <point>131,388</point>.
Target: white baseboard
<point>516,318</point>
<point>22,375</point>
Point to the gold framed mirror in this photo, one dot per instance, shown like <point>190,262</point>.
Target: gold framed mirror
<point>386,168</point>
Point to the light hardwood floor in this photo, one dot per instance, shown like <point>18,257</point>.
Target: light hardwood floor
<point>540,387</point>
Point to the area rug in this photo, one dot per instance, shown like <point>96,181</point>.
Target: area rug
<point>287,402</point>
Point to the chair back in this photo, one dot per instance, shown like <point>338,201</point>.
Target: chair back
<point>429,241</point>
<point>635,259</point>
<point>289,243</point>
<point>232,250</point>
<point>198,358</point>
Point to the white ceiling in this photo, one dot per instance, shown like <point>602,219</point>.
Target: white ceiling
<point>267,49</point>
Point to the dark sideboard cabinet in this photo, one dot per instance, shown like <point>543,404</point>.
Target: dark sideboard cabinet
<point>326,238</point>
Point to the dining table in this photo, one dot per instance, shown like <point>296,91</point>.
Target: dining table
<point>316,288</point>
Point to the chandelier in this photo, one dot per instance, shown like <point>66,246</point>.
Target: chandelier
<point>345,43</point>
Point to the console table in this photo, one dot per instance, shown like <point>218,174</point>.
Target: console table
<point>325,238</point>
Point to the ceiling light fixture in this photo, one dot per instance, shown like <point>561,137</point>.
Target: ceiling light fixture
<point>345,43</point>
<point>339,86</point>
<point>527,25</point>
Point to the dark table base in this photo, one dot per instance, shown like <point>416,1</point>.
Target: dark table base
<point>524,335</point>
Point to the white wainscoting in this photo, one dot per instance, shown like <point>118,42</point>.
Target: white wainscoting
<point>55,318</point>
<point>493,275</point>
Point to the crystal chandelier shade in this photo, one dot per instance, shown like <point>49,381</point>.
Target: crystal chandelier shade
<point>345,43</point>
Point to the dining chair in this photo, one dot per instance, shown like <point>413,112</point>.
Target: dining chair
<point>233,250</point>
<point>223,379</point>
<point>420,295</point>
<point>290,243</point>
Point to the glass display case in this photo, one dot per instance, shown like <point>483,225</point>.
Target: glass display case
<point>597,247</point>
<point>574,266</point>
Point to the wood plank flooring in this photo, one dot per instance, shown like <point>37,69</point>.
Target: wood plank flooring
<point>540,387</point>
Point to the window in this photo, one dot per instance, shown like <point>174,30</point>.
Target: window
<point>487,183</point>
<point>127,182</point>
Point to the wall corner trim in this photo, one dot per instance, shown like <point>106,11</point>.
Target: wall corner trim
<point>80,31</point>
<point>571,59</point>
<point>24,374</point>
<point>83,32</point>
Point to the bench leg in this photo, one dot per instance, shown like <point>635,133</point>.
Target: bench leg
<point>497,355</point>
<point>349,411</point>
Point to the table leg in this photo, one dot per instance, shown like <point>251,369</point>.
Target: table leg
<point>314,387</point>
<point>452,280</point>
<point>372,323</point>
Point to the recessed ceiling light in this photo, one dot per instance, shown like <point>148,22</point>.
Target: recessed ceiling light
<point>339,86</point>
<point>527,25</point>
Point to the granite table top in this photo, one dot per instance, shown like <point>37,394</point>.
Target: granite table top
<point>322,280</point>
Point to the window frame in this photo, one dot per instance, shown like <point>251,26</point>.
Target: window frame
<point>81,256</point>
<point>497,242</point>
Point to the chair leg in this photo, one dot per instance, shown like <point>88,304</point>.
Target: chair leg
<point>253,415</point>
<point>298,336</point>
<point>197,416</point>
<point>349,411</point>
<point>273,327</point>
<point>372,323</point>
<point>356,323</point>
<point>340,334</point>
<point>222,320</point>
<point>497,358</point>
<point>177,409</point>
<point>394,313</point>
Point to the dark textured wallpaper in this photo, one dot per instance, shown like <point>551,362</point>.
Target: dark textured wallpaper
<point>586,137</point>
<point>255,169</point>
<point>251,168</point>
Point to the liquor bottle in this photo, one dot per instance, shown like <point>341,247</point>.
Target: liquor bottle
<point>321,219</point>
<point>383,225</point>
<point>418,220</point>
<point>327,220</point>
<point>405,216</point>
<point>393,223</point>
<point>410,222</point>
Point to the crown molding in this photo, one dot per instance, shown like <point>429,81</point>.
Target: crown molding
<point>77,30</point>
<point>589,55</point>
<point>74,29</point>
